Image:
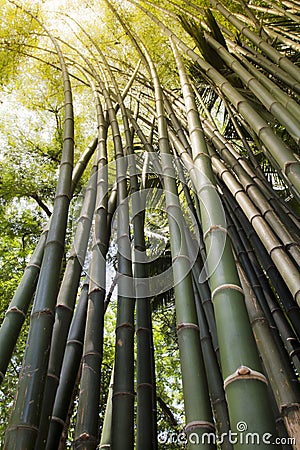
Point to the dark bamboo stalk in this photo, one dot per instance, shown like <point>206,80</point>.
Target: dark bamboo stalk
<point>87,427</point>
<point>263,293</point>
<point>284,383</point>
<point>214,376</point>
<point>290,307</point>
<point>69,371</point>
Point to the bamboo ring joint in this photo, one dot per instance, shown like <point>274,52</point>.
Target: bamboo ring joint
<point>244,373</point>
<point>214,228</point>
<point>287,164</point>
<point>183,325</point>
<point>235,287</point>
<point>199,424</point>
<point>17,310</point>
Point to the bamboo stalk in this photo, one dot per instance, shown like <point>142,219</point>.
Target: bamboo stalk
<point>288,163</point>
<point>262,290</point>
<point>18,307</point>
<point>267,65</point>
<point>65,307</point>
<point>290,307</point>
<point>222,275</point>
<point>69,371</point>
<point>263,94</point>
<point>284,383</point>
<point>272,53</point>
<point>274,247</point>
<point>106,434</point>
<point>196,409</point>
<point>22,430</point>
<point>86,431</point>
<point>214,376</point>
<point>83,162</point>
<point>254,193</point>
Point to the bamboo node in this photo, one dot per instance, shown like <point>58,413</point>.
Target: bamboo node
<point>37,266</point>
<point>130,394</point>
<point>214,228</point>
<point>17,310</point>
<point>235,287</point>
<point>245,373</point>
<point>184,325</point>
<point>75,341</point>
<point>199,424</point>
<point>141,385</point>
<point>58,420</point>
<point>148,330</point>
<point>287,164</point>
<point>288,406</point>
<point>125,325</point>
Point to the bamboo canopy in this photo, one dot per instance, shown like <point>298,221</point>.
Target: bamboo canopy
<point>196,149</point>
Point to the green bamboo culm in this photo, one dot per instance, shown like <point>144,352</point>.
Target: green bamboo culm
<point>242,373</point>
<point>106,432</point>
<point>65,306</point>
<point>23,426</point>
<point>197,405</point>
<point>18,307</point>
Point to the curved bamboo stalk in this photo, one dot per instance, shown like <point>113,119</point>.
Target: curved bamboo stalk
<point>274,247</point>
<point>197,406</point>
<point>288,163</point>
<point>123,398</point>
<point>290,306</point>
<point>263,94</point>
<point>22,430</point>
<point>270,51</point>
<point>145,438</point>
<point>83,162</point>
<point>18,307</point>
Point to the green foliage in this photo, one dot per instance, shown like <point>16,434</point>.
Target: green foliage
<point>17,32</point>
